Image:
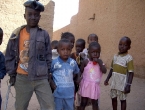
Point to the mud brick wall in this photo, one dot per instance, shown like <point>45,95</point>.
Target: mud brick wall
<point>12,16</point>
<point>113,20</point>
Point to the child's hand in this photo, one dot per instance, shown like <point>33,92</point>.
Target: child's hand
<point>53,85</point>
<point>127,89</point>
<point>106,82</point>
<point>12,80</point>
<point>97,60</point>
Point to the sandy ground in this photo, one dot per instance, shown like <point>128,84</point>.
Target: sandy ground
<point>135,101</point>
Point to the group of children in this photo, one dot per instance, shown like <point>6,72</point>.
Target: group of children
<point>73,75</point>
<point>81,72</point>
<point>78,74</point>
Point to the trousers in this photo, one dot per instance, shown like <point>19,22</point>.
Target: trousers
<point>25,88</point>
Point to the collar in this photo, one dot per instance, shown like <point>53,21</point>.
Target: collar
<point>123,54</point>
<point>61,61</point>
<point>17,31</point>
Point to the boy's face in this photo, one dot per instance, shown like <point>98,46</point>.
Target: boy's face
<point>72,40</point>
<point>92,38</point>
<point>123,46</point>
<point>79,47</point>
<point>32,17</point>
<point>64,50</point>
<point>1,37</point>
<point>94,52</point>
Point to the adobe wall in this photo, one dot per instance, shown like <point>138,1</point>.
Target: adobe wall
<point>12,16</point>
<point>113,20</point>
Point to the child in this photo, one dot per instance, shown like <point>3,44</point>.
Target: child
<point>122,71</point>
<point>63,69</point>
<point>91,69</point>
<point>33,43</point>
<point>91,38</point>
<point>2,64</point>
<point>80,45</point>
<point>69,36</point>
<point>54,45</point>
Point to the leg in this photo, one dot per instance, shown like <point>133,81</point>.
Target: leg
<point>123,104</point>
<point>68,104</point>
<point>84,101</point>
<point>24,91</point>
<point>58,103</point>
<point>122,98</point>
<point>44,94</point>
<point>77,101</point>
<point>113,95</point>
<point>95,104</point>
<point>114,103</point>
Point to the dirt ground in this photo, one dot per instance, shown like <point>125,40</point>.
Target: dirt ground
<point>135,101</point>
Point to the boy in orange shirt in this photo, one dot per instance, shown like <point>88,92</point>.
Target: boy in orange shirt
<point>28,59</point>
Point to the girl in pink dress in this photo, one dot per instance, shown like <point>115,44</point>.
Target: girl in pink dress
<point>91,70</point>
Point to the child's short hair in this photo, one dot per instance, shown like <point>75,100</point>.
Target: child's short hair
<point>54,44</point>
<point>82,41</point>
<point>66,35</point>
<point>96,44</point>
<point>93,35</point>
<point>63,41</point>
<point>128,40</point>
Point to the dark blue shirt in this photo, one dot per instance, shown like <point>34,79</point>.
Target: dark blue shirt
<point>2,66</point>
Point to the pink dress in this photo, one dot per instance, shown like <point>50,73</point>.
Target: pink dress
<point>90,83</point>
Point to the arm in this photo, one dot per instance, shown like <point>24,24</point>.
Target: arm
<point>48,51</point>
<point>51,82</point>
<point>77,77</point>
<point>102,66</point>
<point>108,77</point>
<point>130,74</point>
<point>129,82</point>
<point>83,64</point>
<point>10,59</point>
<point>79,72</point>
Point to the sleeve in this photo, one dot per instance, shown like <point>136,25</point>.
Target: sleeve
<point>130,66</point>
<point>48,51</point>
<point>10,58</point>
<point>2,66</point>
<point>76,69</point>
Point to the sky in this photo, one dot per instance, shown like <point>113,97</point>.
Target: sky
<point>64,10</point>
